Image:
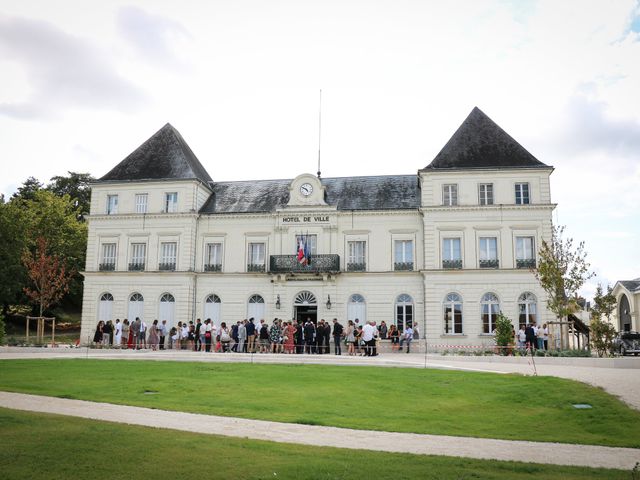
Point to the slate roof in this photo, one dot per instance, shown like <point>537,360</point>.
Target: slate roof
<point>480,143</point>
<point>397,192</point>
<point>631,285</point>
<point>164,156</point>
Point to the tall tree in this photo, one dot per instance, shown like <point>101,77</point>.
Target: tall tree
<point>48,274</point>
<point>602,333</point>
<point>77,186</point>
<point>13,240</point>
<point>27,190</point>
<point>561,272</point>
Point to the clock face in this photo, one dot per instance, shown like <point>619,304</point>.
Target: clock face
<point>306,189</point>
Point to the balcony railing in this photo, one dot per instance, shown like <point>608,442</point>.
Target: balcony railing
<point>107,267</point>
<point>212,267</point>
<point>318,264</point>
<point>356,267</point>
<point>452,264</point>
<point>489,264</point>
<point>255,267</point>
<point>403,266</point>
<point>136,267</point>
<point>526,263</point>
<point>167,267</point>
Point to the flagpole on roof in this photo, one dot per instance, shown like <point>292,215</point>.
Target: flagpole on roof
<point>319,130</point>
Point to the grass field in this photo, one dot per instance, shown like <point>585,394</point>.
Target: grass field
<point>369,398</point>
<point>39,446</point>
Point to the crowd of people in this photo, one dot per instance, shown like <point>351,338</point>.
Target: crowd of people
<point>532,337</point>
<point>247,336</point>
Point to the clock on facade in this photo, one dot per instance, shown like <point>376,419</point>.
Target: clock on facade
<point>306,189</point>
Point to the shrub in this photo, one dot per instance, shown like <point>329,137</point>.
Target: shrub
<point>504,334</point>
<point>2,331</point>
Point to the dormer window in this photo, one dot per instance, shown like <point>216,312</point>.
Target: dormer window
<point>171,202</point>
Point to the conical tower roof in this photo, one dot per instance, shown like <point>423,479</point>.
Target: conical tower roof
<point>480,143</point>
<point>164,156</point>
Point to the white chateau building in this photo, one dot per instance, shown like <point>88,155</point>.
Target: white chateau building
<point>445,248</point>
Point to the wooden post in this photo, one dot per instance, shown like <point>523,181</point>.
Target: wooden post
<point>53,332</point>
<point>27,339</point>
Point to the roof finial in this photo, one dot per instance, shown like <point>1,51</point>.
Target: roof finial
<point>319,130</point>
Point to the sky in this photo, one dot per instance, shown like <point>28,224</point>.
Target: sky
<point>82,84</point>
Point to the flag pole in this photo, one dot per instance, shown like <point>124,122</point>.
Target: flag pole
<point>319,130</point>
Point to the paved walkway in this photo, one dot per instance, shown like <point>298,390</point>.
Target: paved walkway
<point>534,452</point>
<point>621,382</point>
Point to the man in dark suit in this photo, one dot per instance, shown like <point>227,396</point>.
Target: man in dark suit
<point>300,338</point>
<point>337,336</point>
<point>309,336</point>
<point>530,334</point>
<point>320,337</point>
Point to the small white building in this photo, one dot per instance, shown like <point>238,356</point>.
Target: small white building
<point>626,316</point>
<point>445,248</point>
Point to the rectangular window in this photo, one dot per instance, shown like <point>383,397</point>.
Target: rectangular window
<point>112,204</point>
<point>522,193</point>
<point>310,240</point>
<point>486,193</point>
<point>213,257</point>
<point>453,318</point>
<point>138,256</point>
<point>141,203</point>
<point>525,253</point>
<point>171,202</point>
<point>356,261</point>
<point>256,257</point>
<point>451,253</point>
<point>403,255</point>
<point>108,262</point>
<point>450,194</point>
<point>488,252</point>
<point>168,254</point>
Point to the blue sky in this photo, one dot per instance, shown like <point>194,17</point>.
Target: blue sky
<point>81,88</point>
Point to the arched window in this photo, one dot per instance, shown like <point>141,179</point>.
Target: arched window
<point>212,305</point>
<point>527,308</point>
<point>404,312</point>
<point>167,309</point>
<point>624,314</point>
<point>452,308</point>
<point>105,308</point>
<point>357,309</point>
<point>305,298</point>
<point>255,308</point>
<point>136,307</point>
<point>490,307</point>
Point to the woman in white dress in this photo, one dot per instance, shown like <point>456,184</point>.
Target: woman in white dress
<point>117,336</point>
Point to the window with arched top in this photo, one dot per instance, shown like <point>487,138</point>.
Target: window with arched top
<point>105,307</point>
<point>357,309</point>
<point>167,309</point>
<point>136,297</point>
<point>404,312</point>
<point>305,298</point>
<point>136,306</point>
<point>452,309</point>
<point>527,308</point>
<point>489,308</point>
<point>167,297</point>
<point>256,308</point>
<point>212,307</point>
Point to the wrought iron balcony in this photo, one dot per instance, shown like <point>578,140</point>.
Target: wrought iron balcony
<point>255,267</point>
<point>356,267</point>
<point>489,263</point>
<point>526,263</point>
<point>403,266</point>
<point>168,267</point>
<point>318,264</point>
<point>452,264</point>
<point>212,267</point>
<point>107,267</point>
<point>136,267</point>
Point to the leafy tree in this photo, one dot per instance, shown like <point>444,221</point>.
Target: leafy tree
<point>602,333</point>
<point>504,333</point>
<point>49,275</point>
<point>27,191</point>
<point>561,272</point>
<point>13,239</point>
<point>2,330</point>
<point>77,186</point>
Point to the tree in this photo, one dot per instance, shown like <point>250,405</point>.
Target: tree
<point>49,275</point>
<point>77,186</point>
<point>27,191</point>
<point>602,333</point>
<point>504,333</point>
<point>561,272</point>
<point>13,241</point>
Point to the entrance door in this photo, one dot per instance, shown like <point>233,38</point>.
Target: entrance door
<point>302,312</point>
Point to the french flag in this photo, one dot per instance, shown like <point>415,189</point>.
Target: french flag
<point>302,257</point>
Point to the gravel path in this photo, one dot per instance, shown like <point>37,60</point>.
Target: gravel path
<point>534,452</point>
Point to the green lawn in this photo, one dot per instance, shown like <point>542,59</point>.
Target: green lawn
<point>390,399</point>
<point>40,446</point>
